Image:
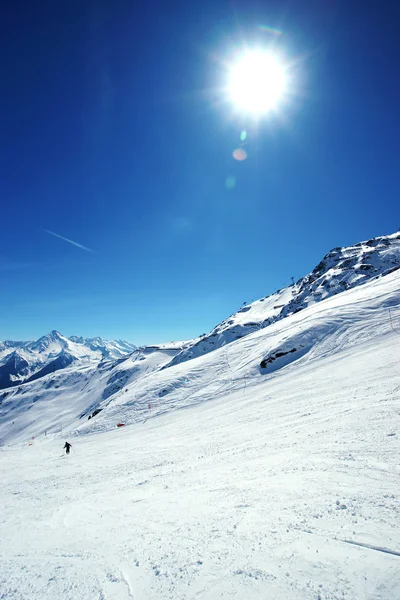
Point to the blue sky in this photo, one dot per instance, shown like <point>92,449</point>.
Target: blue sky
<point>114,135</point>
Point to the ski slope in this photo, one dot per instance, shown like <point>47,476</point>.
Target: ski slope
<point>242,481</point>
<point>340,322</point>
<point>63,399</point>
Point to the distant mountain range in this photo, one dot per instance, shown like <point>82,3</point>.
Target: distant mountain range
<point>21,362</point>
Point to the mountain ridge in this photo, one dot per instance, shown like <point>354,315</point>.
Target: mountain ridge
<point>342,268</point>
<point>21,362</point>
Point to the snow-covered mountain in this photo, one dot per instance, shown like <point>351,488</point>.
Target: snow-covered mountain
<point>168,376</point>
<point>266,468</point>
<point>341,269</point>
<point>21,362</point>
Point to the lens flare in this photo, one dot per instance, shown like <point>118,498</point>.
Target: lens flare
<point>239,154</point>
<point>272,30</point>
<point>230,182</point>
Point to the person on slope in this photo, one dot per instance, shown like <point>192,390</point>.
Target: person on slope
<point>67,447</point>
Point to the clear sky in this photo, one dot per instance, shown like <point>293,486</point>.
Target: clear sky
<point>115,135</point>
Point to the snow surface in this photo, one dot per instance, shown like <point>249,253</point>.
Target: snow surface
<point>268,468</point>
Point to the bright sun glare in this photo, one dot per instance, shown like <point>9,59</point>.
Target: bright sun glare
<point>257,82</point>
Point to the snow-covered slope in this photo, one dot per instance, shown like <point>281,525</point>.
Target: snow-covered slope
<point>67,397</point>
<point>335,325</point>
<point>22,362</point>
<point>279,480</point>
<point>339,270</point>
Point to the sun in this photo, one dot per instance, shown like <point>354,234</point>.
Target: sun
<point>257,82</point>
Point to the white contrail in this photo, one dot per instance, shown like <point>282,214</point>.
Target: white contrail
<point>70,241</point>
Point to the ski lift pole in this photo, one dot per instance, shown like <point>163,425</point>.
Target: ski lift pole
<point>148,414</point>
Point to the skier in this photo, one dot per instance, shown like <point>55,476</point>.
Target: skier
<point>67,447</point>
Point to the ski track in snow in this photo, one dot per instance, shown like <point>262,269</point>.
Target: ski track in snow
<point>284,485</point>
